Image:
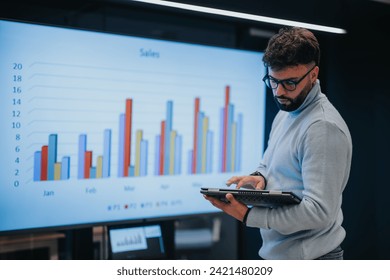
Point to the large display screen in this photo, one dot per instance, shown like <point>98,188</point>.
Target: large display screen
<point>99,128</point>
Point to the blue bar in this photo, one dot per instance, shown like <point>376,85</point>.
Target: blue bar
<point>131,171</point>
<point>209,152</point>
<point>106,153</point>
<point>178,142</point>
<point>200,143</point>
<point>238,144</point>
<point>222,113</point>
<point>65,168</point>
<point>144,158</point>
<point>189,161</point>
<point>82,149</point>
<point>92,172</point>
<point>52,156</point>
<point>229,139</point>
<point>37,165</point>
<point>121,152</point>
<point>157,156</point>
<point>168,129</point>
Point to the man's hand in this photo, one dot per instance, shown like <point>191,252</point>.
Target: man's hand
<point>255,182</point>
<point>233,208</point>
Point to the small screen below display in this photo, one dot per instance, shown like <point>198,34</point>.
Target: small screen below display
<point>140,242</point>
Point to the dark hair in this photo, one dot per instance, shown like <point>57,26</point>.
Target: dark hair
<point>290,47</point>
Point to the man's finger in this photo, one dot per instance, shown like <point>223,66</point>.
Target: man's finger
<point>260,186</point>
<point>246,183</point>
<point>215,202</point>
<point>233,180</point>
<point>233,201</point>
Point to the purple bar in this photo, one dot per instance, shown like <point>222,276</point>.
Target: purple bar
<point>200,143</point>
<point>229,139</point>
<point>106,153</point>
<point>157,156</point>
<point>238,144</point>
<point>222,114</point>
<point>37,165</point>
<point>177,167</point>
<point>121,153</point>
<point>189,161</point>
<point>209,152</point>
<point>144,158</point>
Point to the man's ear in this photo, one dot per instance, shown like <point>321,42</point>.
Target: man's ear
<point>314,74</point>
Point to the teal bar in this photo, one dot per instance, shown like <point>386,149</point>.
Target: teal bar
<point>92,172</point>
<point>168,129</point>
<point>65,168</point>
<point>52,156</point>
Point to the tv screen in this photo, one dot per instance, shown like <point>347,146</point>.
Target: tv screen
<point>99,128</point>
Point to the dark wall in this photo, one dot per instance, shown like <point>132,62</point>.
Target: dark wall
<point>356,82</point>
<point>354,72</point>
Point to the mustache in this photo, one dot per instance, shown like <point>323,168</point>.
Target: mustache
<point>284,98</point>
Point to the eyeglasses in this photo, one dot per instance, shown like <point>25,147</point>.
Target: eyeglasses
<point>288,84</point>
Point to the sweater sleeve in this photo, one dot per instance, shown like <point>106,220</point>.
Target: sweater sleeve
<point>262,167</point>
<point>324,154</point>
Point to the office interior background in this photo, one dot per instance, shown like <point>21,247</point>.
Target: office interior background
<point>353,74</point>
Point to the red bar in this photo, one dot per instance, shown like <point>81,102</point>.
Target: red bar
<point>225,128</point>
<point>162,145</point>
<point>87,164</point>
<point>128,121</point>
<point>44,161</point>
<point>197,106</point>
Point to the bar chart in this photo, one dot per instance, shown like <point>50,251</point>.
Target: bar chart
<point>168,156</point>
<point>139,168</point>
<point>86,170</point>
<point>125,127</point>
<point>230,137</point>
<point>200,157</point>
<point>46,166</point>
<point>168,146</point>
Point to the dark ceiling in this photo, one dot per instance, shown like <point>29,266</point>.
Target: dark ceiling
<point>336,13</point>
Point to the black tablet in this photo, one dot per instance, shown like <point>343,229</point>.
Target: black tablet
<point>264,198</point>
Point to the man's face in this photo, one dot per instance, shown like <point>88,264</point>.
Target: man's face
<point>291,100</point>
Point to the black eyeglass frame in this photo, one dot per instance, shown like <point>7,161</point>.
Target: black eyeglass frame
<point>267,78</point>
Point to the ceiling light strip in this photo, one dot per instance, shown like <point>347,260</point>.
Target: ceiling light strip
<point>244,16</point>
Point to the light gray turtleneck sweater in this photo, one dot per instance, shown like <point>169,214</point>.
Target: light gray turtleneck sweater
<point>309,152</point>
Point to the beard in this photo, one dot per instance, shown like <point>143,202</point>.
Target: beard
<point>291,104</point>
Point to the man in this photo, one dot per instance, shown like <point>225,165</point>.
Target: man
<point>309,152</point>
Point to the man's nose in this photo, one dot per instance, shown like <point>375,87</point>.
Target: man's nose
<point>279,91</point>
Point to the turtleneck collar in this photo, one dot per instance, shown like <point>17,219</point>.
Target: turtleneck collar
<point>311,97</point>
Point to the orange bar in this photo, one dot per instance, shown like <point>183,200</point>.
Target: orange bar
<point>162,145</point>
<point>225,128</point>
<point>127,142</point>
<point>44,161</point>
<point>88,164</point>
<point>195,151</point>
